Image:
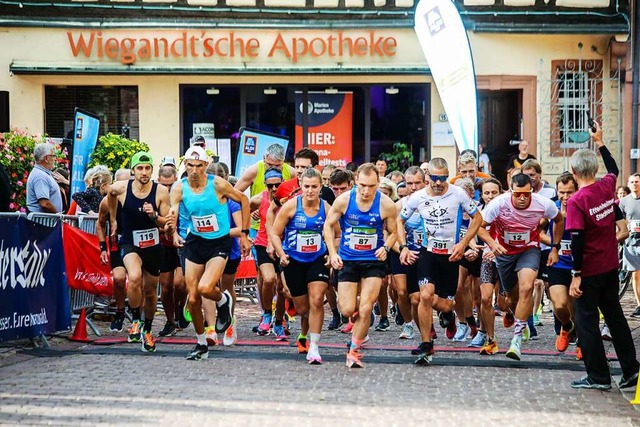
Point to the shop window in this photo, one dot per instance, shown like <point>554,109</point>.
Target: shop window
<point>116,106</point>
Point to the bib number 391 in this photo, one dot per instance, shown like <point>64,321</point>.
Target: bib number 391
<point>146,238</point>
<point>437,246</point>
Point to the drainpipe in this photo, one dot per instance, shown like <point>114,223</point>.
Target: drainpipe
<point>636,83</point>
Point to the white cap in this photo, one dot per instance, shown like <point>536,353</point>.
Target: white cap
<point>168,160</point>
<point>196,153</point>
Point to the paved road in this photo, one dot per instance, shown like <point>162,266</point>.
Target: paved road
<point>261,383</point>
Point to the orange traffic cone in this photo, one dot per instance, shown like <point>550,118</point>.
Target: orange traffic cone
<point>80,332</point>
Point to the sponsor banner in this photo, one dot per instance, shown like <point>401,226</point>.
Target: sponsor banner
<point>330,126</point>
<point>445,45</point>
<point>84,269</point>
<point>34,298</point>
<point>253,146</point>
<point>85,136</point>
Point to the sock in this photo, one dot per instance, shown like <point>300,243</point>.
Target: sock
<point>202,339</point>
<point>335,312</point>
<point>135,313</point>
<point>519,327</point>
<point>355,343</point>
<point>147,325</point>
<point>222,301</point>
<point>315,339</point>
<point>471,321</point>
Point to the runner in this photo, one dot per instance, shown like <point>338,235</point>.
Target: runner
<point>630,206</point>
<point>363,214</point>
<point>440,205</point>
<point>302,254</point>
<point>144,208</point>
<point>515,217</point>
<point>208,242</point>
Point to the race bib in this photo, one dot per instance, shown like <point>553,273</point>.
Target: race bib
<point>634,226</point>
<point>146,238</point>
<point>205,224</point>
<point>520,238</point>
<point>438,246</point>
<point>363,241</point>
<point>418,237</point>
<point>565,247</point>
<point>308,241</point>
<point>463,232</point>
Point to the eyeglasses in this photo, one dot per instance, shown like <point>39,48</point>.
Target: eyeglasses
<point>441,178</point>
<point>270,186</point>
<point>521,194</point>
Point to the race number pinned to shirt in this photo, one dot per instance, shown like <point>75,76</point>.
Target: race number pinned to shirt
<point>520,238</point>
<point>565,247</point>
<point>439,246</point>
<point>308,241</point>
<point>634,226</point>
<point>146,238</point>
<point>363,239</point>
<point>418,237</point>
<point>205,224</point>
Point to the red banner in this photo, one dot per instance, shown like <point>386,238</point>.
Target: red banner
<point>330,126</point>
<point>247,267</point>
<point>82,257</point>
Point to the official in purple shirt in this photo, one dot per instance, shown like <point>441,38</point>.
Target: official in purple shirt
<point>591,221</point>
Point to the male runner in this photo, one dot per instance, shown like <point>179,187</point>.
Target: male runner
<point>145,205</point>
<point>630,206</point>
<point>363,213</point>
<point>441,206</point>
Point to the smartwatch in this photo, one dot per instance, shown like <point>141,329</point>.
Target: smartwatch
<point>245,231</point>
<point>576,273</point>
<point>386,248</point>
<point>556,245</point>
<point>401,247</point>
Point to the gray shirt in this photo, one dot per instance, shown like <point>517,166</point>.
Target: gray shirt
<point>41,185</point>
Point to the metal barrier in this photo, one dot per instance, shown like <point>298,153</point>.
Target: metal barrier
<point>247,287</point>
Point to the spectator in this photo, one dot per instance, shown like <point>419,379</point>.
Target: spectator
<point>621,192</point>
<point>43,192</point>
<point>517,160</point>
<point>89,200</point>
<point>484,163</point>
<point>381,165</point>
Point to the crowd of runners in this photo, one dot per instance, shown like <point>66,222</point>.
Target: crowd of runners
<point>416,245</point>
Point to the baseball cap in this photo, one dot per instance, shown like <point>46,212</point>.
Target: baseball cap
<point>196,153</point>
<point>168,160</point>
<point>199,140</point>
<point>141,158</point>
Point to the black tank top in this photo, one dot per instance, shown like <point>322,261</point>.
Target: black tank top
<point>134,220</point>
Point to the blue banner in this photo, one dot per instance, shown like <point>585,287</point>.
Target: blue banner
<point>253,146</point>
<point>34,298</point>
<point>85,136</point>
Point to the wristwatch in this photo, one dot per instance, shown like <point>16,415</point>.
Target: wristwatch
<point>401,247</point>
<point>245,231</point>
<point>556,245</point>
<point>576,273</point>
<point>386,248</point>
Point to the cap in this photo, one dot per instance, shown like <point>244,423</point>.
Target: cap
<point>196,153</point>
<point>199,140</point>
<point>141,158</point>
<point>168,160</point>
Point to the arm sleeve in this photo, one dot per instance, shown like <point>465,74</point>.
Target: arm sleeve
<point>609,161</point>
<point>577,249</point>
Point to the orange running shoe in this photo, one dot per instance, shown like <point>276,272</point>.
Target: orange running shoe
<point>303,345</point>
<point>508,319</point>
<point>489,348</point>
<point>354,359</point>
<point>578,353</point>
<point>562,341</point>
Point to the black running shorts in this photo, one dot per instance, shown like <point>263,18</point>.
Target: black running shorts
<point>438,270</point>
<point>151,257</point>
<point>200,250</point>
<point>299,274</point>
<point>354,271</point>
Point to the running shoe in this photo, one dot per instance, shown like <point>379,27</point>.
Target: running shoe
<point>399,319</point>
<point>286,322</point>
<point>383,325</point>
<point>443,322</point>
<point>578,353</point>
<point>354,359</point>
<point>186,313</point>
<point>473,331</point>
<point>169,330</point>
<point>376,309</point>
<point>366,339</point>
<point>407,332</point>
<point>415,351</point>
<point>636,312</point>
<point>212,336</point>
<point>347,328</point>
<point>265,324</point>
<point>562,341</point>
<point>116,324</point>
<point>536,320</point>
<point>508,320</point>
<point>313,356</point>
<point>586,382</point>
<point>225,314</point>
<point>303,345</point>
<point>372,320</point>
<point>496,310</point>
<point>135,331</point>
<point>514,349</point>
<point>335,323</point>
<point>182,322</point>
<point>451,330</point>
<point>426,354</point>
<point>199,352</point>
<point>489,348</point>
<point>526,334</point>
<point>231,334</point>
<point>462,332</point>
<point>605,333</point>
<point>148,343</point>
<point>632,381</point>
<point>479,340</point>
<point>434,334</point>
<point>278,330</point>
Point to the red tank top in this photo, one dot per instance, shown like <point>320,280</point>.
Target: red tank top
<point>261,237</point>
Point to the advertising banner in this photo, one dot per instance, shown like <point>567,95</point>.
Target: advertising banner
<point>445,45</point>
<point>85,136</point>
<point>34,298</point>
<point>253,146</point>
<point>330,126</point>
<point>84,269</point>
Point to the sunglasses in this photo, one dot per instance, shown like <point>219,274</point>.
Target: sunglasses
<point>441,178</point>
<point>521,194</point>
<point>270,186</point>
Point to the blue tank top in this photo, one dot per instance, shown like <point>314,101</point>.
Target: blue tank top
<point>303,235</point>
<point>208,218</point>
<point>183,221</point>
<point>137,228</point>
<point>414,229</point>
<point>235,242</point>
<point>362,232</point>
<point>565,260</point>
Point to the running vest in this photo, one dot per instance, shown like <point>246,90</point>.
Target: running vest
<point>261,237</point>
<point>137,228</point>
<point>414,229</point>
<point>303,235</point>
<point>362,232</point>
<point>208,218</point>
<point>565,260</point>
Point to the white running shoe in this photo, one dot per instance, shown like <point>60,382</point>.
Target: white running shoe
<point>313,356</point>
<point>462,333</point>
<point>479,340</point>
<point>231,334</point>
<point>514,350</point>
<point>407,332</point>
